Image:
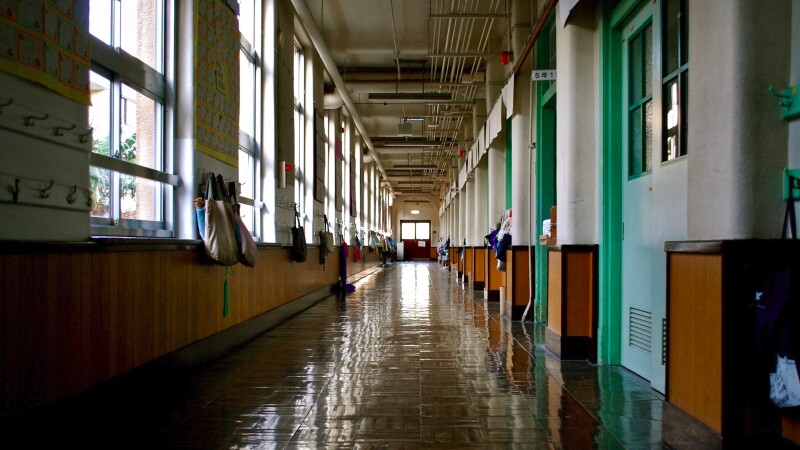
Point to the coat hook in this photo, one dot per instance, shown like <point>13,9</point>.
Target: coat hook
<point>14,191</point>
<point>84,138</point>
<point>7,103</point>
<point>45,192</point>
<point>89,201</point>
<point>71,196</point>
<point>31,120</point>
<point>59,131</point>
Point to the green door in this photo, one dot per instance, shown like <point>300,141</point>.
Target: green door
<point>639,330</point>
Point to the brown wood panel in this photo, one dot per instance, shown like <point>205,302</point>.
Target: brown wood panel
<point>517,285</point>
<point>480,264</point>
<point>469,261</point>
<point>579,293</point>
<point>434,253</point>
<point>554,291</point>
<point>493,279</point>
<point>695,336</point>
<point>790,428</point>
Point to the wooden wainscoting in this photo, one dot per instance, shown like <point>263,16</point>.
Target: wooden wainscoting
<point>572,303</point>
<point>517,284</point>
<point>493,280</point>
<point>695,334</point>
<point>480,269</point>
<point>73,317</point>
<point>469,264</point>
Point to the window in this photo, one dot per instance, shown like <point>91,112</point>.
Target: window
<point>415,230</point>
<point>640,102</point>
<point>249,148</point>
<point>299,125</point>
<point>675,79</point>
<point>128,92</point>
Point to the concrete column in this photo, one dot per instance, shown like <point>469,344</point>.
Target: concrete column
<point>522,177</point>
<point>469,223</point>
<point>497,178</point>
<point>737,141</point>
<point>794,78</point>
<point>577,131</point>
<point>481,217</point>
<point>478,116</point>
<point>495,76</point>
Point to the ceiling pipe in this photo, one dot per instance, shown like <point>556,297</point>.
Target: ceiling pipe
<point>307,20</point>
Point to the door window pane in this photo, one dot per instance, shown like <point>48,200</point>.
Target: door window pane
<point>408,230</point>
<point>423,230</point>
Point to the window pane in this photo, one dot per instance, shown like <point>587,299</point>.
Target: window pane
<point>247,16</point>
<point>671,117</point>
<point>100,185</point>
<point>648,136</point>
<point>138,123</point>
<point>647,61</point>
<point>635,142</point>
<point>671,30</point>
<point>423,230</point>
<point>635,68</point>
<point>683,91</point>
<point>100,113</point>
<point>408,230</point>
<point>101,20</point>
<point>247,122</point>
<point>140,198</point>
<point>246,173</point>
<point>140,33</point>
<point>247,213</point>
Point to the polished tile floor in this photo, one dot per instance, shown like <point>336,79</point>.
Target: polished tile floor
<point>409,360</point>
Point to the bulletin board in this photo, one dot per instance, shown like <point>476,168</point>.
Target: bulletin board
<point>216,81</point>
<point>47,42</point>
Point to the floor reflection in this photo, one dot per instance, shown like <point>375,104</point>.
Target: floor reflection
<point>409,360</point>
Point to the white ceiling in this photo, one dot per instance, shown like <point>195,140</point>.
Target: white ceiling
<point>411,47</point>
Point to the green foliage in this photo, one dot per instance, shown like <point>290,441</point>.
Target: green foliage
<point>100,179</point>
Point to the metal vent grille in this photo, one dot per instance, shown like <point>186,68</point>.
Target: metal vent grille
<point>664,342</point>
<point>641,329</point>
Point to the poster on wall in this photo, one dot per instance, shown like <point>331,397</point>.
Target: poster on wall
<point>216,80</point>
<point>47,42</point>
<point>320,139</point>
<point>339,175</point>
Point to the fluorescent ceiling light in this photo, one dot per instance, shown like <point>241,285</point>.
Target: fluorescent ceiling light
<point>414,211</point>
<point>410,96</point>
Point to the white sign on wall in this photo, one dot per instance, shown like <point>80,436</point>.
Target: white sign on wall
<point>543,75</point>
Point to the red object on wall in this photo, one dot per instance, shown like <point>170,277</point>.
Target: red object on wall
<point>505,57</point>
<point>461,153</point>
<point>288,167</point>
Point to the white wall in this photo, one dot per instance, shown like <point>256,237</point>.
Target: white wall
<point>37,160</point>
<point>736,138</point>
<point>577,128</point>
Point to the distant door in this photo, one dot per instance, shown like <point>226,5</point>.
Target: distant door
<point>638,242</point>
<point>416,238</point>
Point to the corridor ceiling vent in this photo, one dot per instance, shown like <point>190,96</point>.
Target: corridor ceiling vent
<point>410,97</point>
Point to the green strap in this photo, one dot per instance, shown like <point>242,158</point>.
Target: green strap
<point>226,309</point>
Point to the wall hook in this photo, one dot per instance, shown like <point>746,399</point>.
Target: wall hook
<point>71,195</point>
<point>84,138</point>
<point>14,191</point>
<point>7,103</point>
<point>59,131</point>
<point>31,120</point>
<point>787,98</point>
<point>45,192</point>
<point>89,201</point>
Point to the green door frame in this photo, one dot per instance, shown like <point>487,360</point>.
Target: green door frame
<point>610,258</point>
<point>545,175</point>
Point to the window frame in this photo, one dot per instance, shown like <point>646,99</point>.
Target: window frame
<point>120,68</point>
<point>678,76</point>
<point>250,145</point>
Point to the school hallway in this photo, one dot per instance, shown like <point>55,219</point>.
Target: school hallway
<point>411,359</point>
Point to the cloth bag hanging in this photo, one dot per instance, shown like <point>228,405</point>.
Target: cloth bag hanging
<point>326,237</point>
<point>247,245</point>
<point>299,251</point>
<point>218,226</point>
